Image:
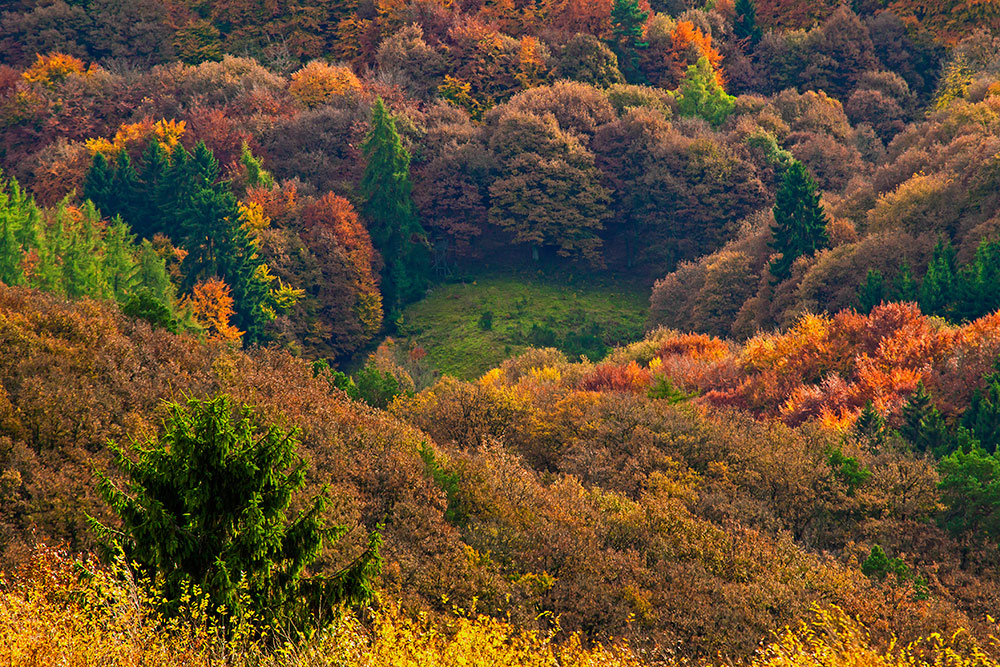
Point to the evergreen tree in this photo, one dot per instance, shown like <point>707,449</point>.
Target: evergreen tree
<point>388,207</point>
<point>149,218</point>
<point>904,287</point>
<point>982,418</point>
<point>206,505</point>
<point>923,426</point>
<point>870,425</point>
<point>204,167</point>
<point>118,260</point>
<point>872,292</point>
<point>627,25</point>
<point>936,288</point>
<point>127,190</point>
<point>700,94</point>
<point>745,26</point>
<point>99,184</point>
<point>799,220</point>
<point>10,253</point>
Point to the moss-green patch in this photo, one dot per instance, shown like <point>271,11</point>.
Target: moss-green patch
<point>468,328</point>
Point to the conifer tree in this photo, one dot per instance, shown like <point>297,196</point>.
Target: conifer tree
<point>923,426</point>
<point>904,287</point>
<point>127,190</point>
<point>389,210</point>
<point>745,26</point>
<point>118,260</point>
<point>205,507</point>
<point>700,94</point>
<point>982,418</point>
<point>870,425</point>
<point>936,288</point>
<point>99,184</point>
<point>10,253</point>
<point>149,218</point>
<point>872,292</point>
<point>799,220</point>
<point>627,26</point>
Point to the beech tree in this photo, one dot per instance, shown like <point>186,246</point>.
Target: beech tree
<point>206,504</point>
<point>799,220</point>
<point>393,224</point>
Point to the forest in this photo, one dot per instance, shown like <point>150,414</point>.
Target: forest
<point>500,332</point>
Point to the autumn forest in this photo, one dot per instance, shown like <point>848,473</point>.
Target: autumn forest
<point>500,332</point>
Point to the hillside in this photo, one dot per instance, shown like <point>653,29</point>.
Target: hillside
<point>522,332</point>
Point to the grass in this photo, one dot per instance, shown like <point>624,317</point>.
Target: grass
<point>469,328</point>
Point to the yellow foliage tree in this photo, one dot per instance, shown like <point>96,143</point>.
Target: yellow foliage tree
<point>211,304</point>
<point>53,68</point>
<point>318,81</point>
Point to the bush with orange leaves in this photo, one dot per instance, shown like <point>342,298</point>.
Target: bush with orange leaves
<point>318,82</point>
<point>630,377</point>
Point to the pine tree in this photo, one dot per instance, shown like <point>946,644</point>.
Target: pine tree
<point>872,292</point>
<point>127,190</point>
<point>745,27</point>
<point>982,417</point>
<point>870,425</point>
<point>700,94</point>
<point>224,534</point>
<point>392,218</point>
<point>904,287</point>
<point>936,288</point>
<point>799,220</point>
<point>627,25</point>
<point>923,426</point>
<point>149,217</point>
<point>99,184</point>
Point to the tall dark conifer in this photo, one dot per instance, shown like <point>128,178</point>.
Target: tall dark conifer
<point>745,26</point>
<point>799,220</point>
<point>391,215</point>
<point>627,25</point>
<point>99,184</point>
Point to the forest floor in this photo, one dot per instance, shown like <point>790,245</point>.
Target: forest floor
<point>470,327</point>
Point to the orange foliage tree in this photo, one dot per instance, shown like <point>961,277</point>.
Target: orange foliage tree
<point>53,68</point>
<point>211,303</point>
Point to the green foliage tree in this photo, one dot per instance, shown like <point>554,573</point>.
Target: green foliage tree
<point>118,260</point>
<point>98,186</point>
<point>204,510</point>
<point>872,292</point>
<point>879,566</point>
<point>18,229</point>
<point>970,489</point>
<point>745,27</point>
<point>923,426</point>
<point>936,288</point>
<point>904,286</point>
<point>871,425</point>
<point>389,210</point>
<point>627,26</point>
<point>982,417</point>
<point>848,470</point>
<point>799,220</point>
<point>700,94</point>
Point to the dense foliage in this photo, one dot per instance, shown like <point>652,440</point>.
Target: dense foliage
<point>234,199</point>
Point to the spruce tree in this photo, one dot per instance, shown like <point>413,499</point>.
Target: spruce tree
<point>149,218</point>
<point>391,215</point>
<point>745,27</point>
<point>904,287</point>
<point>799,220</point>
<point>127,190</point>
<point>936,289</point>
<point>872,292</point>
<point>627,25</point>
<point>982,417</point>
<point>205,512</point>
<point>99,184</point>
<point>923,426</point>
<point>870,425</point>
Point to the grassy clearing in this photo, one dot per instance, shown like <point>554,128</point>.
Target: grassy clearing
<point>468,328</point>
